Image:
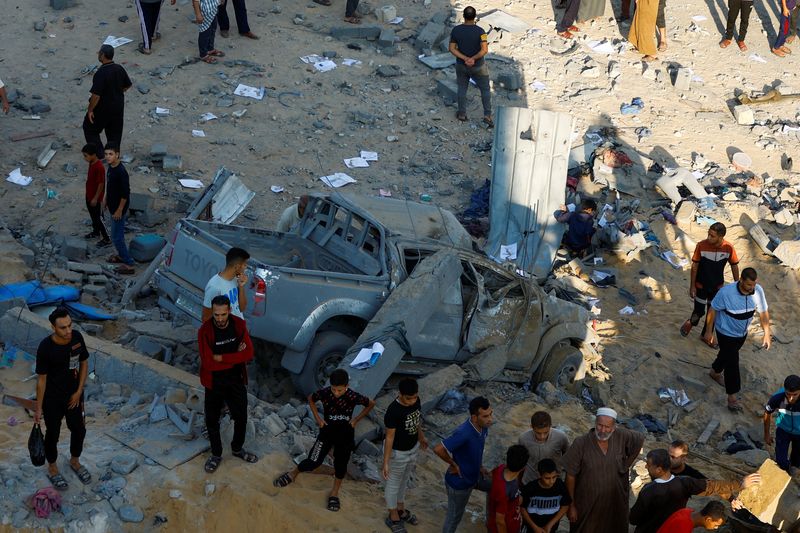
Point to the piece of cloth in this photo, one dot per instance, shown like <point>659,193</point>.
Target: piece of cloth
<point>661,19</point>
<point>95,213</point>
<point>735,8</point>
<point>591,9</point>
<point>54,410</point>
<point>457,500</point>
<point>405,420</point>
<point>95,179</point>
<point>643,27</point>
<point>118,188</point>
<point>468,39</point>
<point>734,310</point>
<point>205,39</point>
<point>111,125</point>
<point>206,338</point>
<point>727,361</point>
<point>61,364</point>
<point>659,499</point>
<point>543,504</point>
<point>45,501</point>
<point>569,16</point>
<point>289,219</point>
<point>504,498</point>
<point>118,240</point>
<point>209,10</point>
<point>711,261</point>
<point>606,411</point>
<point>601,480</point>
<point>235,397</point>
<point>110,81</point>
<point>553,448</point>
<point>227,340</point>
<point>401,466</point>
<point>465,445</point>
<point>784,439</point>
<point>788,414</point>
<point>219,286</point>
<point>339,411</point>
<point>679,522</point>
<point>480,75</point>
<point>689,471</point>
<point>239,11</point>
<point>340,438</point>
<point>149,12</point>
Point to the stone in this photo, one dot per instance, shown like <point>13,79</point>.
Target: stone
<point>19,517</point>
<point>388,71</point>
<point>39,108</point>
<point>433,386</point>
<point>744,115</point>
<point>386,38</point>
<point>287,411</point>
<point>753,457</point>
<point>172,162</point>
<point>148,346</point>
<point>175,395</point>
<point>763,500</point>
<point>124,464</point>
<point>66,275</point>
<point>366,447</point>
<point>448,89</point>
<point>275,424</point>
<point>356,32</point>
<point>683,79</point>
<point>73,248</point>
<point>123,18</point>
<point>209,489</point>
<point>110,487</point>
<point>175,494</point>
<point>591,72</point>
<point>130,513</point>
<point>430,35</point>
<point>116,502</point>
<point>111,390</point>
<point>330,54</point>
<point>788,253</point>
<point>686,212</point>
<point>784,217</point>
<point>691,383</point>
<point>509,81</point>
<point>98,279</point>
<point>489,363</point>
<point>552,395</point>
<point>39,25</point>
<point>86,268</point>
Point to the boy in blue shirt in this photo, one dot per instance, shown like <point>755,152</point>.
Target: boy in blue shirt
<point>580,227</point>
<point>787,423</point>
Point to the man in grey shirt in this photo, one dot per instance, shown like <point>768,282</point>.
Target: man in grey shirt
<point>542,442</point>
<point>230,282</point>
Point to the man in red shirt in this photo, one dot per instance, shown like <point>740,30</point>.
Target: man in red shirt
<point>503,508</point>
<point>95,190</point>
<point>711,517</point>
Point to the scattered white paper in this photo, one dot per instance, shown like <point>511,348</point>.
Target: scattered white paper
<point>368,356</point>
<point>627,310</point>
<point>16,177</point>
<point>396,20</point>
<point>369,156</point>
<point>538,86</point>
<point>598,260</point>
<point>356,162</point>
<point>205,117</point>
<point>116,42</point>
<point>337,179</point>
<point>277,189</point>
<point>508,251</point>
<point>190,183</point>
<point>249,92</point>
<point>162,111</point>
<point>311,59</point>
<point>698,174</point>
<point>198,133</point>
<point>350,62</point>
<point>598,275</point>
<point>602,222</point>
<point>757,58</point>
<point>699,18</point>
<point>674,260</point>
<point>239,114</point>
<point>601,47</point>
<point>325,65</point>
<point>385,193</point>
<point>571,208</point>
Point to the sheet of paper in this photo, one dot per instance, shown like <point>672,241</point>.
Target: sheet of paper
<point>571,208</point>
<point>324,65</point>
<point>350,62</point>
<point>311,59</point>
<point>385,193</point>
<point>368,356</point>
<point>337,179</point>
<point>249,92</point>
<point>699,18</point>
<point>162,111</point>
<point>627,310</point>
<point>601,47</point>
<point>396,20</point>
<point>15,176</point>
<point>508,251</point>
<point>198,133</point>
<point>205,117</point>
<point>538,86</point>
<point>277,189</point>
<point>369,156</point>
<point>191,184</point>
<point>757,58</point>
<point>116,42</point>
<point>356,162</point>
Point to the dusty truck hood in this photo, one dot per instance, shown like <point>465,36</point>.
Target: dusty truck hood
<point>409,219</point>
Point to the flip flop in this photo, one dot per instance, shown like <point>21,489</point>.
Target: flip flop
<point>352,20</point>
<point>208,59</point>
<point>686,328</point>
<point>323,2</point>
<point>212,464</point>
<point>735,407</point>
<point>143,50</point>
<point>58,481</point>
<point>710,344</point>
<point>245,456</point>
<point>216,53</point>
<point>82,474</point>
<point>742,46</point>
<point>125,270</point>
<point>282,480</point>
<point>409,517</point>
<point>334,504</point>
<point>396,527</point>
<point>117,260</point>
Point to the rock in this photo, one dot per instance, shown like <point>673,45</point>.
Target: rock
<point>73,248</point>
<point>39,25</point>
<point>123,18</point>
<point>116,502</point>
<point>66,275</point>
<point>552,395</point>
<point>386,13</point>
<point>388,71</point>
<point>753,458</point>
<point>210,488</point>
<point>39,108</point>
<point>111,389</point>
<point>275,9</point>
<point>148,346</point>
<point>287,411</point>
<point>430,35</point>
<point>124,464</point>
<point>109,488</point>
<point>683,79</point>
<point>366,447</point>
<point>275,424</point>
<point>591,72</point>
<point>130,513</point>
<point>175,494</point>
<point>448,89</point>
<point>86,268</point>
<point>509,81</point>
<point>788,253</point>
<point>142,88</point>
<point>330,54</point>
<point>744,115</point>
<point>433,386</point>
<point>784,217</point>
<point>386,38</point>
<point>175,395</point>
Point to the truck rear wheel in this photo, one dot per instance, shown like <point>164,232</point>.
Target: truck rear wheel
<point>564,368</point>
<point>326,352</point>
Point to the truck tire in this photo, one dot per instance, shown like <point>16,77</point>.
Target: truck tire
<point>326,352</point>
<point>564,367</point>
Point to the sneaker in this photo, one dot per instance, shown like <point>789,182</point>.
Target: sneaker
<point>686,328</point>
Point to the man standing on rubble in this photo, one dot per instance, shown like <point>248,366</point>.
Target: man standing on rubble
<point>106,109</point>
<point>468,42</point>
<point>731,312</point>
<point>231,282</point>
<point>708,275</point>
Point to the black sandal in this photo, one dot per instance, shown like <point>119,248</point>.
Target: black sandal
<point>212,464</point>
<point>82,474</point>
<point>396,527</point>
<point>333,503</point>
<point>245,456</point>
<point>58,481</point>
<point>409,517</point>
<point>282,480</point>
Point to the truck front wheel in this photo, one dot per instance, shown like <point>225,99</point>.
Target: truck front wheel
<point>326,352</point>
<point>564,368</point>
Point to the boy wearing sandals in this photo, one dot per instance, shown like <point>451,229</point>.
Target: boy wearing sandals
<point>205,14</point>
<point>336,432</point>
<point>225,349</point>
<point>118,196</point>
<point>62,368</point>
<point>404,438</point>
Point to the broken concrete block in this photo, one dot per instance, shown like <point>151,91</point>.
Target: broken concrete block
<point>692,383</point>
<point>386,13</point>
<point>744,115</point>
<point>158,150</point>
<point>86,268</point>
<point>686,211</point>
<point>784,217</point>
<point>788,253</point>
<point>509,81</point>
<point>708,431</point>
<point>165,330</point>
<point>762,500</point>
<point>762,240</point>
<point>489,363</point>
<point>433,386</point>
<point>140,202</point>
<point>430,35</point>
<point>148,346</point>
<point>386,38</point>
<point>124,464</point>
<point>97,291</point>
<point>275,424</point>
<point>172,162</point>
<point>388,71</point>
<point>73,248</point>
<point>356,32</point>
<point>175,395</point>
<point>448,89</point>
<point>46,155</point>
<point>683,79</point>
<point>754,457</point>
<point>98,279</point>
<point>66,275</point>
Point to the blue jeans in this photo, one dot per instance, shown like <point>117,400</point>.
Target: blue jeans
<point>205,40</point>
<point>456,504</point>
<point>782,456</point>
<point>479,73</point>
<point>118,238</point>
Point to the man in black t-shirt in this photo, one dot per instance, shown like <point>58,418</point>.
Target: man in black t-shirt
<point>404,438</point>
<point>678,451</point>
<point>468,42</point>
<point>544,500</point>
<point>336,431</point>
<point>107,101</point>
<point>118,195</point>
<point>62,369</point>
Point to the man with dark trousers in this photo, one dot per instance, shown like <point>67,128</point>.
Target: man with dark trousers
<point>240,11</point>
<point>469,43</point>
<point>95,192</point>
<point>107,101</point>
<point>62,369</point>
<point>225,348</point>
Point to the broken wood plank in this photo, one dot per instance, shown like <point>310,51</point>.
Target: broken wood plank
<point>633,366</point>
<point>710,429</point>
<point>691,406</point>
<point>31,135</point>
<point>726,466</point>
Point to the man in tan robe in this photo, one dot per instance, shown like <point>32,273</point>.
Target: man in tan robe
<point>598,466</point>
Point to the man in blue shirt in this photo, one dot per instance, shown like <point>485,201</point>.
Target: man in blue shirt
<point>787,423</point>
<point>463,451</point>
<point>731,312</point>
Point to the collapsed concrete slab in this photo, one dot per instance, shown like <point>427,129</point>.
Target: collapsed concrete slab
<point>763,499</point>
<point>433,386</point>
<point>788,253</point>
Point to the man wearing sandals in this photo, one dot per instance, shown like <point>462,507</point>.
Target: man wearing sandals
<point>468,42</point>
<point>225,348</point>
<point>149,15</point>
<point>62,368</point>
<point>731,312</point>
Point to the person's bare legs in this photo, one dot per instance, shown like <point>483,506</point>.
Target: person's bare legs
<point>337,484</point>
<point>662,39</point>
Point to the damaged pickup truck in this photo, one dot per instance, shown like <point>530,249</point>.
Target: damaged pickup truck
<point>313,291</point>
